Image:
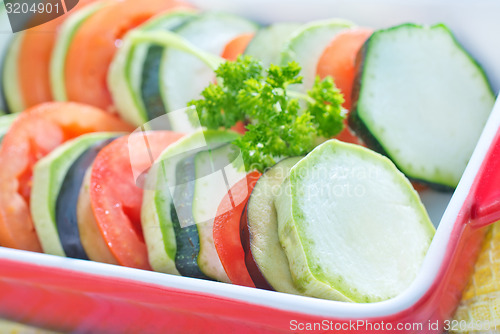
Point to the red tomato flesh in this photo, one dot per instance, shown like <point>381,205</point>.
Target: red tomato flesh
<point>227,232</point>
<point>339,61</point>
<point>236,46</point>
<point>96,42</point>
<point>115,197</point>
<point>33,135</point>
<point>34,59</point>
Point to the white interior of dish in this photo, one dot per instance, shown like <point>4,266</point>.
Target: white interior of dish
<point>474,25</point>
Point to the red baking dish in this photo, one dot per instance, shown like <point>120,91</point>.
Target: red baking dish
<point>81,296</point>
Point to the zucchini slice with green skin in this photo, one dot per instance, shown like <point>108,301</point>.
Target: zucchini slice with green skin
<point>306,45</point>
<point>5,41</point>
<point>351,224</point>
<point>210,188</point>
<point>67,201</point>
<point>65,36</point>
<point>149,88</point>
<point>156,213</point>
<point>421,100</point>
<point>133,75</point>
<point>5,123</point>
<point>184,76</point>
<point>10,80</point>
<point>198,192</point>
<point>48,178</point>
<point>186,237</point>
<point>268,42</point>
<point>262,224</point>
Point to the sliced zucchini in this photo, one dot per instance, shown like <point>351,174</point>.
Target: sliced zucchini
<point>183,76</point>
<point>49,175</point>
<point>351,225</point>
<point>186,232</point>
<point>216,171</point>
<point>5,123</point>
<point>200,187</point>
<point>10,79</point>
<point>67,201</point>
<point>421,100</point>
<point>268,42</point>
<point>5,41</point>
<point>156,214</point>
<point>306,45</point>
<point>133,75</point>
<point>262,224</point>
<point>65,36</point>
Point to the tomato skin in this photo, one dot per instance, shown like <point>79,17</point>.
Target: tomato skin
<point>236,46</point>
<point>34,59</point>
<point>339,61</point>
<point>32,136</point>
<point>96,42</point>
<point>116,199</point>
<point>226,233</point>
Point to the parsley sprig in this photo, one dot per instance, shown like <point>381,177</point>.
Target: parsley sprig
<point>280,121</point>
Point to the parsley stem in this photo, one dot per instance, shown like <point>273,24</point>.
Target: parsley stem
<point>299,95</point>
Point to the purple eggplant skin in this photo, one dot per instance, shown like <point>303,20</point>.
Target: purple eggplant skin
<point>252,267</point>
<point>67,200</point>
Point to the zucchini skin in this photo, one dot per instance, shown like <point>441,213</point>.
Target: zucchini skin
<point>67,200</point>
<point>150,89</point>
<point>355,121</point>
<point>358,126</point>
<point>187,238</point>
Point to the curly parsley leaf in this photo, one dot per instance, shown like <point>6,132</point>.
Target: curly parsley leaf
<point>277,123</point>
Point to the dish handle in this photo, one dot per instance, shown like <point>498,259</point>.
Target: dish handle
<point>485,192</point>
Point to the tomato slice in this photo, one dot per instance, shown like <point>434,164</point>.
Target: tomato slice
<point>32,136</point>
<point>90,235</point>
<point>115,197</point>
<point>338,61</point>
<point>227,233</point>
<point>34,59</point>
<point>237,46</point>
<point>95,43</point>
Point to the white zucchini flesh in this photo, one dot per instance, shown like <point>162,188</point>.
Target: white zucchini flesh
<point>48,177</point>
<point>263,228</point>
<point>10,79</point>
<point>5,40</point>
<point>5,124</point>
<point>126,71</point>
<point>306,45</point>
<point>184,76</point>
<point>352,226</point>
<point>424,100</point>
<point>216,170</point>
<point>160,183</point>
<point>268,42</point>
